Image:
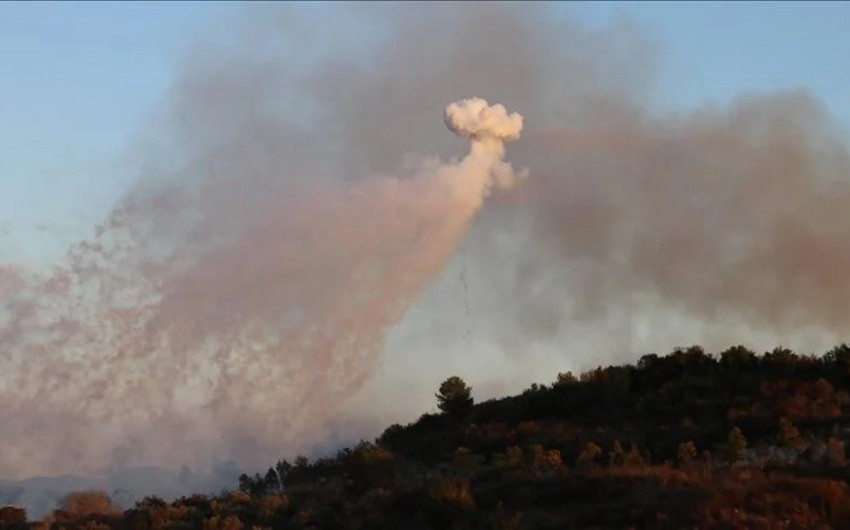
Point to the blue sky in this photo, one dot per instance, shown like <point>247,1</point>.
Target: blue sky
<point>78,80</point>
<point>713,51</point>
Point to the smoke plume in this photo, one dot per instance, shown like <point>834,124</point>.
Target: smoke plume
<point>288,257</point>
<point>258,331</point>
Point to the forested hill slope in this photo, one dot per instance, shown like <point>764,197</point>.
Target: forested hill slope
<point>733,440</point>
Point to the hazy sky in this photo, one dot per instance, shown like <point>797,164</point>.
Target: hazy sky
<point>78,81</point>
<point>290,270</point>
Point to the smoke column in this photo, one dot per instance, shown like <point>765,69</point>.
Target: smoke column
<point>257,332</point>
<point>276,271</point>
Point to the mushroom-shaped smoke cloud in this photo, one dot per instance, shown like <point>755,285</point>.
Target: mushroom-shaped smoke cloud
<point>475,118</point>
<point>488,127</point>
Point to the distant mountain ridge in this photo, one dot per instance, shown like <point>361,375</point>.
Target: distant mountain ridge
<point>40,495</point>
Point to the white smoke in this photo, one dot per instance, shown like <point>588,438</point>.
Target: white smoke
<point>475,118</point>
<point>231,311</point>
<point>488,127</point>
<point>240,343</point>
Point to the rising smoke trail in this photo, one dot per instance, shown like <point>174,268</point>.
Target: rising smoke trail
<point>234,295</point>
<point>256,333</point>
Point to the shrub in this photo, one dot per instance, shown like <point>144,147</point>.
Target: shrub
<point>83,503</point>
<point>542,459</point>
<point>220,523</point>
<point>270,506</point>
<point>589,454</point>
<point>455,492</point>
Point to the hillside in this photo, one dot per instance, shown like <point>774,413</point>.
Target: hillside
<point>733,440</point>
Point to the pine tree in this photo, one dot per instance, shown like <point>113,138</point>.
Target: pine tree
<point>455,397</point>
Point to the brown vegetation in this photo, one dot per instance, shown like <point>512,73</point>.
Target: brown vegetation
<point>684,440</point>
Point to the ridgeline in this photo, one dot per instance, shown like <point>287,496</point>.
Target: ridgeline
<point>734,440</point>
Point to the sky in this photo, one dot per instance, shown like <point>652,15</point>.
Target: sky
<point>79,80</point>
<point>84,85</point>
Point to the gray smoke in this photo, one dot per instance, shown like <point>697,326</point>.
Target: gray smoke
<point>268,279</point>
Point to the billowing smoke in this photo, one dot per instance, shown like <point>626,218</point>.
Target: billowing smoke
<point>270,277</point>
<point>474,118</point>
<point>232,342</point>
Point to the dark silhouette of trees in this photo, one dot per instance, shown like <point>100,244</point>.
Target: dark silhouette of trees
<point>507,469</point>
<point>12,517</point>
<point>455,397</point>
<point>566,378</point>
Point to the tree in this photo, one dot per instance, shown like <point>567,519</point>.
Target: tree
<point>282,468</point>
<point>150,503</point>
<point>737,357</point>
<point>255,485</point>
<point>455,397</point>
<point>839,355</point>
<point>273,481</point>
<point>566,378</point>
<point>83,503</point>
<point>13,516</point>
